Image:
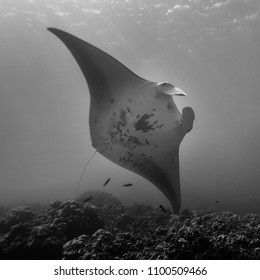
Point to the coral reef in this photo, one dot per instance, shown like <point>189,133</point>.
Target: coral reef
<point>42,236</point>
<point>14,217</point>
<point>99,198</point>
<point>77,230</point>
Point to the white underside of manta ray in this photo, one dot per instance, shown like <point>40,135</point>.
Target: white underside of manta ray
<point>133,122</point>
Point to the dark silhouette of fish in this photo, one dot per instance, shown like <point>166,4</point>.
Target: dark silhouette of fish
<point>163,209</point>
<point>217,201</point>
<point>87,199</point>
<point>107,181</point>
<point>127,185</point>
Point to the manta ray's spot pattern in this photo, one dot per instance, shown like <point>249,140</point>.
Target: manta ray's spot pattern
<point>143,125</point>
<point>136,161</point>
<point>121,130</point>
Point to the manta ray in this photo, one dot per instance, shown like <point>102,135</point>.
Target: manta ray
<point>133,122</point>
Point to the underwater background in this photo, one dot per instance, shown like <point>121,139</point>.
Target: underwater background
<point>210,49</point>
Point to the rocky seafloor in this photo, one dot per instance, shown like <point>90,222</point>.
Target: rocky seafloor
<point>103,228</point>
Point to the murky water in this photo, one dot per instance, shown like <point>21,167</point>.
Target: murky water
<point>210,49</point>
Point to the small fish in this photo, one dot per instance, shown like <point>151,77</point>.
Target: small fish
<point>217,201</point>
<point>107,181</point>
<point>163,209</point>
<point>87,199</point>
<point>128,185</point>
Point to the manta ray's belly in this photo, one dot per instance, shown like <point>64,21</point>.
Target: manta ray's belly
<point>137,133</point>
